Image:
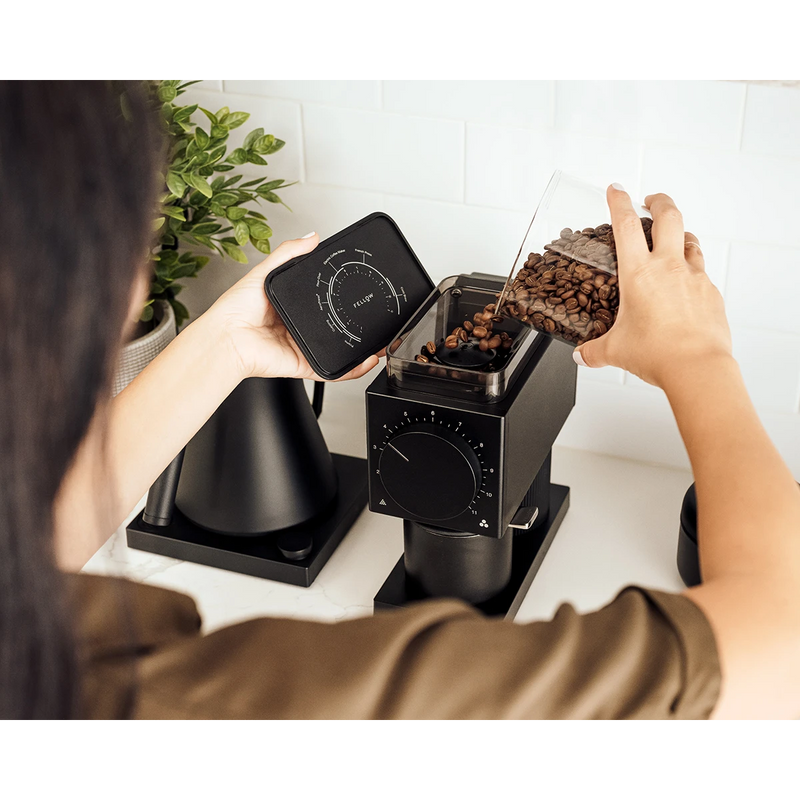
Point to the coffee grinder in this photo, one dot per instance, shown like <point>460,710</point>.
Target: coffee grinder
<point>463,454</point>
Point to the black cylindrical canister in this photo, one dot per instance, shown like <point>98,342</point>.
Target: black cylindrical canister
<point>462,565</point>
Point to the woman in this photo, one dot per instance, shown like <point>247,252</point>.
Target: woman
<point>78,188</point>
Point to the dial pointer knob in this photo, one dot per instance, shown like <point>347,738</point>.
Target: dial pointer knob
<point>430,471</point>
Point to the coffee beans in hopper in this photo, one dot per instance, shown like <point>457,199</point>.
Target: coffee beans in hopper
<point>570,291</point>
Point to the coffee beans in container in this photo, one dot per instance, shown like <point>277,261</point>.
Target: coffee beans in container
<point>571,290</point>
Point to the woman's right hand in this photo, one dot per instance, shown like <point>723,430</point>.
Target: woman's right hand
<point>670,313</point>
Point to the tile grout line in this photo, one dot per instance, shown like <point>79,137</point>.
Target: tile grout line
<point>303,175</point>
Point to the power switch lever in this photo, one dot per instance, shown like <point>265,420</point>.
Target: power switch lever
<point>524,518</point>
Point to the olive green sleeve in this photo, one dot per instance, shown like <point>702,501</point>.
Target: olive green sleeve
<point>646,654</point>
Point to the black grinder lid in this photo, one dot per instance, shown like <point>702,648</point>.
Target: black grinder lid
<point>348,298</point>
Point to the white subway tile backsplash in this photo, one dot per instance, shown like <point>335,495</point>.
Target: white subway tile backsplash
<point>623,422</point>
<point>759,277</point>
<point>384,152</point>
<point>461,166</point>
<point>211,86</point>
<point>694,113</point>
<point>770,364</point>
<point>772,121</point>
<point>521,103</point>
<point>450,239</point>
<point>728,195</point>
<point>350,94</point>
<point>510,167</point>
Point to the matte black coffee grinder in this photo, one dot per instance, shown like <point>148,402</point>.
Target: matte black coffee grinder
<point>459,447</point>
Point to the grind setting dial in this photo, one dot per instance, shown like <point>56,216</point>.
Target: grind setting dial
<point>430,471</point>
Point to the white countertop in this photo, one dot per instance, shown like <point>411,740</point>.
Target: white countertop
<point>621,528</point>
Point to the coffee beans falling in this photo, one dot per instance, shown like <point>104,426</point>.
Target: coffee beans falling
<point>479,333</point>
<point>571,291</point>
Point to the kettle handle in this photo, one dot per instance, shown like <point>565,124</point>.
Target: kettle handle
<point>160,503</point>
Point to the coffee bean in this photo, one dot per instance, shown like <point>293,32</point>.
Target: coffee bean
<point>494,342</point>
<point>463,335</point>
<point>468,326</point>
<point>451,342</point>
<point>423,359</point>
<point>479,332</point>
<point>483,345</point>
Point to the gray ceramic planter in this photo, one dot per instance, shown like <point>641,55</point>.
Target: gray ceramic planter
<point>136,355</point>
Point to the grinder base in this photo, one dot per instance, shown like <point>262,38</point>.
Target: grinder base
<point>529,551</point>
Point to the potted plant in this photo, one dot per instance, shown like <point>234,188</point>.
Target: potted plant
<point>201,211</point>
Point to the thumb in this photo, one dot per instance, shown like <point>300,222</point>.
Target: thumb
<point>591,354</point>
<point>284,252</point>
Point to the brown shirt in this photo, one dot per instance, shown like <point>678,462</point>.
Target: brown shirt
<point>647,654</point>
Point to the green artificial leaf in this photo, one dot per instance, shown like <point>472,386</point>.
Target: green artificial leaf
<point>215,209</point>
<point>157,223</point>
<point>268,144</point>
<point>225,198</point>
<point>183,271</point>
<point>175,183</point>
<point>202,138</point>
<point>187,126</point>
<point>251,137</point>
<point>234,252</point>
<point>236,119</point>
<point>167,111</point>
<point>217,153</point>
<point>202,159</point>
<point>205,228</point>
<point>166,93</point>
<point>268,195</point>
<point>168,240</point>
<point>254,158</point>
<point>199,183</point>
<point>184,112</point>
<point>206,172</point>
<point>232,180</point>
<point>181,312</point>
<point>201,261</point>
<point>262,245</point>
<point>147,312</point>
<point>174,212</point>
<point>167,257</point>
<point>219,131</point>
<point>217,183</point>
<point>258,230</point>
<point>255,214</point>
<point>241,232</point>
<point>222,114</point>
<point>234,213</point>
<point>212,117</point>
<point>223,167</point>
<point>252,183</point>
<point>270,185</point>
<point>237,157</point>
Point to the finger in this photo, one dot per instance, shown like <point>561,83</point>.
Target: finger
<point>628,232</point>
<point>361,370</point>
<point>289,249</point>
<point>693,253</point>
<point>667,224</point>
<point>592,354</point>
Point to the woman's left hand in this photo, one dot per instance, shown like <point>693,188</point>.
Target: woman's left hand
<point>255,332</point>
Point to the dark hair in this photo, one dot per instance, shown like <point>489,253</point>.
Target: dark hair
<point>78,187</point>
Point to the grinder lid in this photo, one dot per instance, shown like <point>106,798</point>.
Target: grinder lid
<point>346,300</point>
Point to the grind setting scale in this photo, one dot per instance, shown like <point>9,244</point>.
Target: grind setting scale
<point>344,301</point>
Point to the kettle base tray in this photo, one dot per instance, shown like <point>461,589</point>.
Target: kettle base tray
<point>260,556</point>
<point>528,553</point>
